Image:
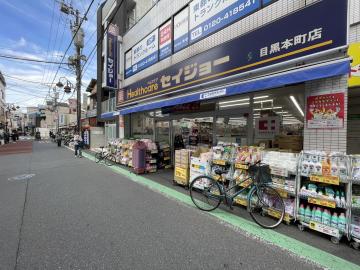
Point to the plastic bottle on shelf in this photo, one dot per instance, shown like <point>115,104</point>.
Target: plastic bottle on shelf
<point>337,198</point>
<point>313,213</point>
<point>334,220</point>
<point>326,217</point>
<point>318,168</point>
<point>342,222</point>
<point>342,199</point>
<point>307,214</point>
<point>302,212</point>
<point>318,214</point>
<point>334,167</point>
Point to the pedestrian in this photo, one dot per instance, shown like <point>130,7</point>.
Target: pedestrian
<point>77,144</point>
<point>58,139</point>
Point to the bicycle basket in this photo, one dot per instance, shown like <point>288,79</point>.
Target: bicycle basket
<point>260,173</point>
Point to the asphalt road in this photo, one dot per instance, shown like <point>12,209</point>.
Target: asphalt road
<point>75,214</point>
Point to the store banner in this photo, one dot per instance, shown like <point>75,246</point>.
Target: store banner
<point>325,111</point>
<point>128,66</point>
<point>354,53</point>
<point>289,40</point>
<point>112,56</point>
<point>145,53</point>
<point>181,29</point>
<point>207,17</point>
<point>165,40</point>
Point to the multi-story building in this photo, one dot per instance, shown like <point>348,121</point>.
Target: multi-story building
<point>242,71</point>
<point>2,102</point>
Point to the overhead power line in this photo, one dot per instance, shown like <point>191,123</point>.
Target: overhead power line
<point>29,81</point>
<point>18,58</point>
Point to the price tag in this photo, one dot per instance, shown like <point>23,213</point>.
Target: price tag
<point>219,162</point>
<point>245,183</point>
<point>241,166</point>
<point>324,229</point>
<point>241,201</point>
<point>331,204</point>
<point>332,180</point>
<point>276,214</point>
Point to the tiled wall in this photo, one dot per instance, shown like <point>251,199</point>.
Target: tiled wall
<point>326,139</point>
<point>164,9</point>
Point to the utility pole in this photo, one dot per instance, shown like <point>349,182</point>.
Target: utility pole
<point>76,60</point>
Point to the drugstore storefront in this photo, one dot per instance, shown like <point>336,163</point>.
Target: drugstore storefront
<point>250,91</point>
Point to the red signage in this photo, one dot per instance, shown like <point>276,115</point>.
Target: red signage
<point>165,33</point>
<point>325,111</point>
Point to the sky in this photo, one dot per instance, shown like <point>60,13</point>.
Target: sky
<point>36,29</point>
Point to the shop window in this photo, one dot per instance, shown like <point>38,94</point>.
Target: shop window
<point>142,126</point>
<point>232,129</point>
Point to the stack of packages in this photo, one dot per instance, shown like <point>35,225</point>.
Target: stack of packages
<point>182,164</point>
<point>200,164</point>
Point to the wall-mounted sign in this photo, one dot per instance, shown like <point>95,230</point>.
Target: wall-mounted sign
<point>289,40</point>
<point>181,29</point>
<point>267,127</point>
<point>145,53</point>
<point>165,38</point>
<point>325,111</point>
<point>354,53</point>
<point>207,17</point>
<point>111,60</point>
<point>128,65</point>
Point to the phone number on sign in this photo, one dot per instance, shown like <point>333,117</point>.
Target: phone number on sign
<point>229,14</point>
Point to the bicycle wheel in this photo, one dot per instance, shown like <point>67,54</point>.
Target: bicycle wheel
<point>205,193</point>
<point>110,160</point>
<point>98,157</point>
<point>266,206</point>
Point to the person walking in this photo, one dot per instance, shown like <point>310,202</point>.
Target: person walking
<point>78,145</point>
<point>58,139</point>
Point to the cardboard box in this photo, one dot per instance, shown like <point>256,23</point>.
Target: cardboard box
<point>181,175</point>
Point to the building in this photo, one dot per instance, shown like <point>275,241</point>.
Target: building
<point>213,69</point>
<point>2,102</point>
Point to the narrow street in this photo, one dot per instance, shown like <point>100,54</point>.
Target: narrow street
<point>80,215</point>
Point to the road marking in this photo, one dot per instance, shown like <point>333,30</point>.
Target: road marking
<point>21,177</point>
<point>294,246</point>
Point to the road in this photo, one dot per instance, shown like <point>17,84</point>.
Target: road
<point>76,214</point>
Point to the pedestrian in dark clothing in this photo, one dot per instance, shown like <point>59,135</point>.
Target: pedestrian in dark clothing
<point>58,139</point>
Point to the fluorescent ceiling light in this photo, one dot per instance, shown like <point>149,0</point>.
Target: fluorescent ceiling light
<point>282,112</point>
<point>297,105</point>
<point>263,109</point>
<point>262,101</point>
<point>260,97</point>
<point>234,105</point>
<point>232,101</point>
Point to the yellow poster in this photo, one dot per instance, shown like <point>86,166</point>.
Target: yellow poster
<point>354,53</point>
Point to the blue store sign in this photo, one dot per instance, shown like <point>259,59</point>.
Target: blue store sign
<point>302,33</point>
<point>111,57</point>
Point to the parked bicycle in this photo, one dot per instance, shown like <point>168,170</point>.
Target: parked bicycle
<point>106,156</point>
<point>264,204</point>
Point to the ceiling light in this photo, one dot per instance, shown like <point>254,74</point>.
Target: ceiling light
<point>297,105</point>
<point>233,105</point>
<point>232,101</point>
<point>282,112</point>
<point>260,97</point>
<point>262,101</point>
<point>285,115</point>
<point>263,109</point>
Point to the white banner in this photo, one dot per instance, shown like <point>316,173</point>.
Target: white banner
<point>145,53</point>
<point>128,64</point>
<point>181,29</point>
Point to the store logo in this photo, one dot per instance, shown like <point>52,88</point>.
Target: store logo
<point>213,94</point>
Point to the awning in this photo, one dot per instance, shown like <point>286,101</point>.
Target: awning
<point>109,115</point>
<point>290,77</point>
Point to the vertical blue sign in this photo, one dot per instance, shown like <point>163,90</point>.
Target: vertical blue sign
<point>111,57</point>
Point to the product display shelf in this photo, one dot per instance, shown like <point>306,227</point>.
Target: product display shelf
<point>164,155</point>
<point>323,194</point>
<point>354,229</point>
<point>151,160</point>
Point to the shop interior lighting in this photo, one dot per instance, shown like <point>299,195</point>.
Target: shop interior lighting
<point>264,109</point>
<point>233,101</point>
<point>282,112</point>
<point>261,97</point>
<point>263,101</point>
<point>234,105</point>
<point>297,105</point>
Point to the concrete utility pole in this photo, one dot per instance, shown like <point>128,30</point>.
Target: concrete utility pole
<point>76,60</point>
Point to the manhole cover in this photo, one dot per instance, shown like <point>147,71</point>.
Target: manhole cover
<point>21,177</point>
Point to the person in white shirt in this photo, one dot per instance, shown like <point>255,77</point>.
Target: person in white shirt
<point>78,145</point>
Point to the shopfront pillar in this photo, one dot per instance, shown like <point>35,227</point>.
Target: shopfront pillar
<point>250,122</point>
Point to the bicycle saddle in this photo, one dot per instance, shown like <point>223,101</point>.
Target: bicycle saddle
<point>220,171</point>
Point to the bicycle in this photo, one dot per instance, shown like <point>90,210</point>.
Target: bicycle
<point>264,204</point>
<point>108,157</point>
